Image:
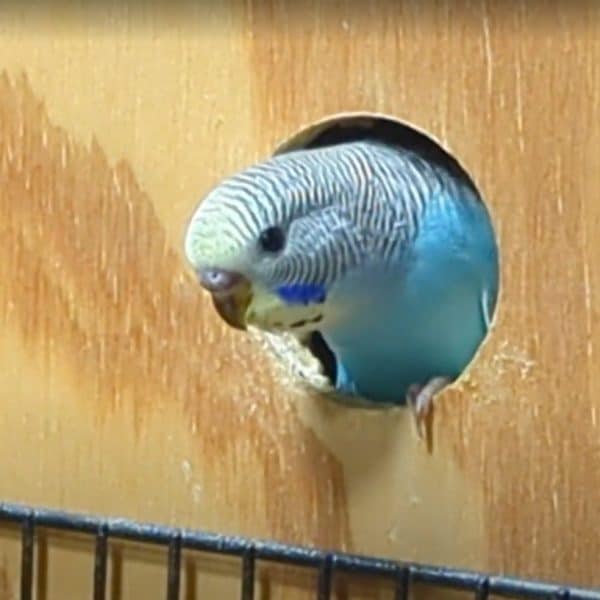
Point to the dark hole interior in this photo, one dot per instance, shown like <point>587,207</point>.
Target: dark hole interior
<point>318,346</point>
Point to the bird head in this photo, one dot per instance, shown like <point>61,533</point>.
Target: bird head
<point>264,245</point>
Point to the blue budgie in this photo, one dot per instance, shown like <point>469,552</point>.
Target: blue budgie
<point>388,257</point>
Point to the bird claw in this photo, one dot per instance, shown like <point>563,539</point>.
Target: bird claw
<point>421,397</point>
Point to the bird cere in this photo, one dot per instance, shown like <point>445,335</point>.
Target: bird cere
<point>372,263</point>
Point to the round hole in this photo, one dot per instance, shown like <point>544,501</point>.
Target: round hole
<point>366,336</point>
<point>314,363</point>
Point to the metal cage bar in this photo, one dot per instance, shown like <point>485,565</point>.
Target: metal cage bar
<point>27,547</point>
<point>174,567</point>
<point>328,564</point>
<point>248,570</point>
<point>100,560</point>
<point>325,577</point>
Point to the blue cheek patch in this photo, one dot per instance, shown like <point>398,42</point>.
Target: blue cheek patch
<point>302,293</point>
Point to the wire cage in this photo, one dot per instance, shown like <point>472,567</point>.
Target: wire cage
<point>328,564</point>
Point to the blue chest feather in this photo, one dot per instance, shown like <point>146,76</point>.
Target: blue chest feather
<point>423,321</point>
<point>302,293</point>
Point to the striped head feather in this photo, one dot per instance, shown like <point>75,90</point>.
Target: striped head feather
<point>295,224</point>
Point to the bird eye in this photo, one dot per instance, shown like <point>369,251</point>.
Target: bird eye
<point>272,239</point>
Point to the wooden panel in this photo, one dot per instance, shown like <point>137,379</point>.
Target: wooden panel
<point>112,125</point>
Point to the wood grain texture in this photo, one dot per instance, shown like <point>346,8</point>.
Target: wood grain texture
<point>6,591</point>
<point>513,90</point>
<point>124,393</point>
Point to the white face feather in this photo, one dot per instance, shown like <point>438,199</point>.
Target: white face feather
<point>212,239</point>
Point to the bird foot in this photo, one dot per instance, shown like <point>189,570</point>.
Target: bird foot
<point>420,398</point>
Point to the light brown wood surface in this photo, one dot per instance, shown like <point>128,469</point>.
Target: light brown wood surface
<point>122,392</point>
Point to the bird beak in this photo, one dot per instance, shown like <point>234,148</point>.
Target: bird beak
<point>231,295</point>
<point>232,307</point>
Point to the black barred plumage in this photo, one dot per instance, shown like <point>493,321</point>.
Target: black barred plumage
<point>338,205</point>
